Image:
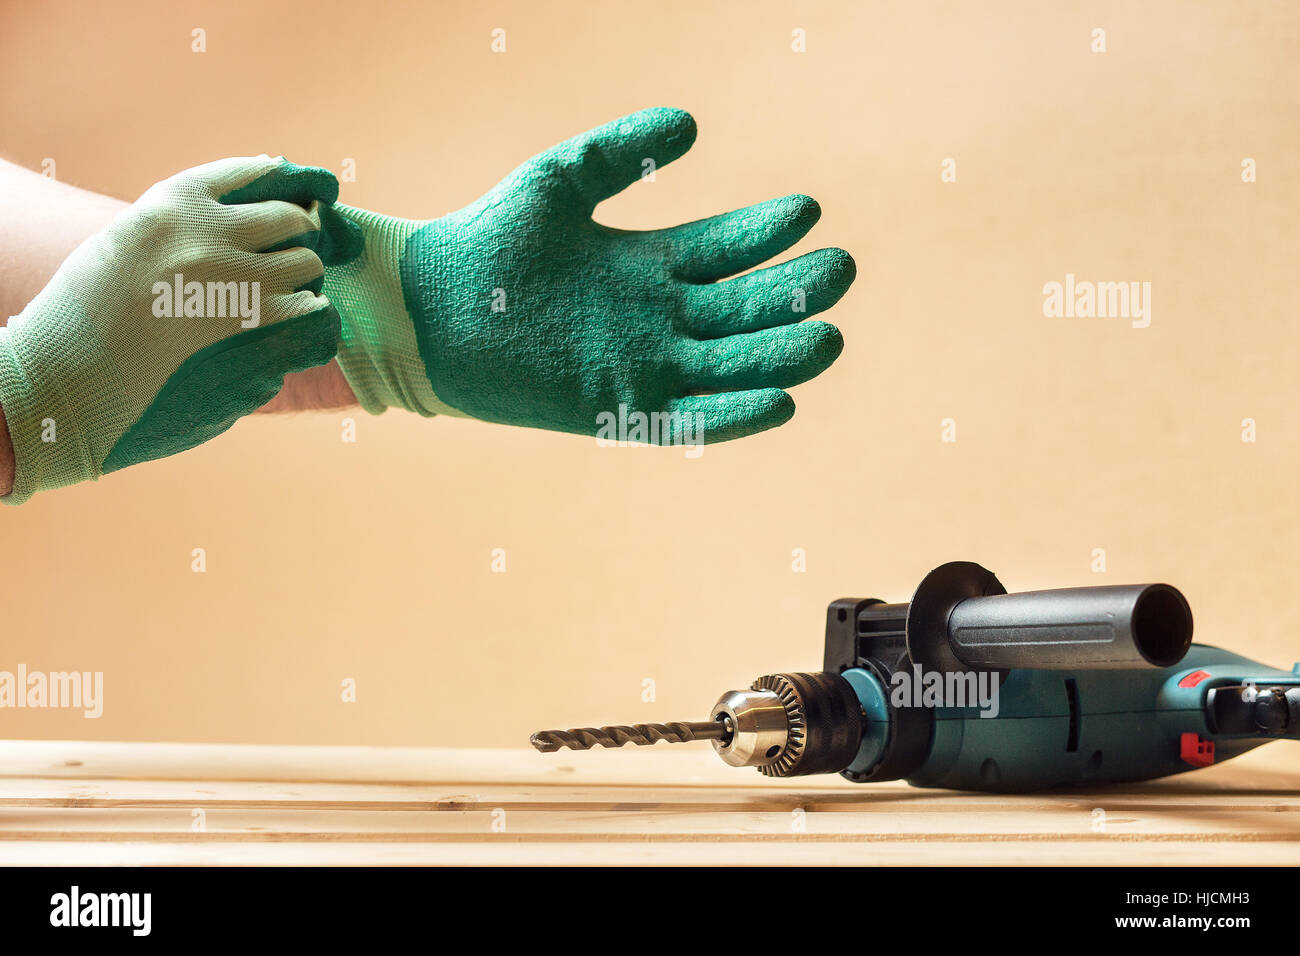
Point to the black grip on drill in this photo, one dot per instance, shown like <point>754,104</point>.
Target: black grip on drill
<point>962,618</point>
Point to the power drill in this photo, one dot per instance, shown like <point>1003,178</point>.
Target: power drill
<point>971,688</point>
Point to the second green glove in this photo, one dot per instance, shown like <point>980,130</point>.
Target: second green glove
<point>521,309</point>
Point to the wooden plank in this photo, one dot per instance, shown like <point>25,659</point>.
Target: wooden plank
<point>1274,767</point>
<point>88,803</point>
<point>655,822</point>
<point>73,792</point>
<point>649,853</point>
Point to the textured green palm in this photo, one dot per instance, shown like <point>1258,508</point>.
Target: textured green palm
<point>595,318</point>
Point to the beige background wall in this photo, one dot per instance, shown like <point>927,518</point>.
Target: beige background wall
<point>371,560</point>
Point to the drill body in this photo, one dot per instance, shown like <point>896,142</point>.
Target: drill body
<point>1060,727</point>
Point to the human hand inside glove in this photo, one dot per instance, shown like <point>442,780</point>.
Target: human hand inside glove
<point>521,309</point>
<point>181,315</point>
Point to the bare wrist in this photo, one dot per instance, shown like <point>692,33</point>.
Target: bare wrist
<point>316,389</point>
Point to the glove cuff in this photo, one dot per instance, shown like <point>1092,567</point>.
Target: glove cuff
<point>378,352</point>
<point>368,295</point>
<point>50,450</point>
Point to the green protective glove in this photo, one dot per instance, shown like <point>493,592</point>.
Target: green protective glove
<point>108,366</point>
<point>521,309</point>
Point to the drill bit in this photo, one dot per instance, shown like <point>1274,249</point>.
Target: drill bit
<point>643,735</point>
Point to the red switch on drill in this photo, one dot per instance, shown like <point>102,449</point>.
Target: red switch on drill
<point>1195,751</point>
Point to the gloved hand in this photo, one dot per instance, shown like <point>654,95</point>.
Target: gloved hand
<point>520,309</point>
<point>180,316</point>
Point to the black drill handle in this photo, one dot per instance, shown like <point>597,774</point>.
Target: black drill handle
<point>1081,628</point>
<point>961,617</point>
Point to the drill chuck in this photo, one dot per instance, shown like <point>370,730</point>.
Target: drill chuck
<point>759,727</point>
<point>788,725</point>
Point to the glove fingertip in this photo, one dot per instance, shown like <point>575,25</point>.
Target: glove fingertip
<point>323,329</point>
<point>678,125</point>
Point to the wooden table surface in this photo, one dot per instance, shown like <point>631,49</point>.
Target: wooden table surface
<point>76,803</point>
